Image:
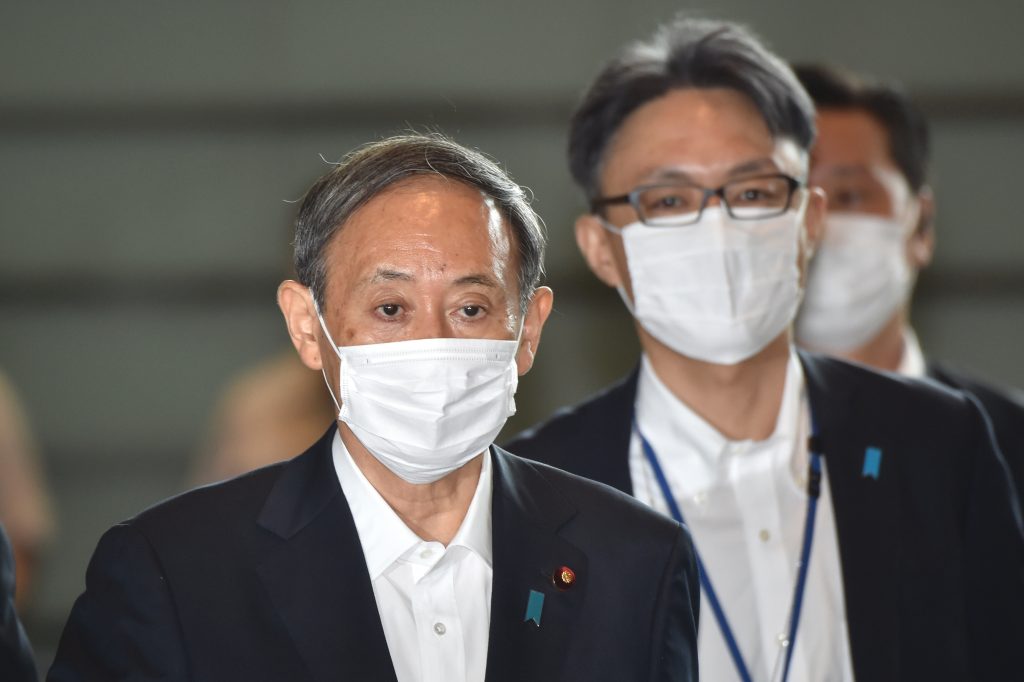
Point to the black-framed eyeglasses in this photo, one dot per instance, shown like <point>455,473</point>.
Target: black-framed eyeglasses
<point>675,204</point>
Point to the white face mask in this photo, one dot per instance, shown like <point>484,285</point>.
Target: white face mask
<point>718,290</point>
<point>425,407</point>
<point>858,279</point>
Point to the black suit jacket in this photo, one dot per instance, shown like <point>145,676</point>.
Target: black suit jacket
<point>932,550</point>
<point>1006,413</point>
<point>16,662</point>
<point>263,578</point>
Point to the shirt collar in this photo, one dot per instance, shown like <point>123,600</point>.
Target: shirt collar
<point>382,533</point>
<point>912,363</point>
<point>668,423</point>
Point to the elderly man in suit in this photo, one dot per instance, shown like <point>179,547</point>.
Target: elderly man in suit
<point>402,546</point>
<point>848,524</point>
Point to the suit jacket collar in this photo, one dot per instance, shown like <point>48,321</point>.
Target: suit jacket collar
<point>868,540</point>
<point>863,506</point>
<point>610,430</point>
<point>528,514</point>
<point>317,579</point>
<point>316,575</point>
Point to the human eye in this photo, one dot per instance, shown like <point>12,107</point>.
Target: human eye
<point>856,198</point>
<point>471,311</point>
<point>389,310</point>
<point>769,191</point>
<point>669,200</point>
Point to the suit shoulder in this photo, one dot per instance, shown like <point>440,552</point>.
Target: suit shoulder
<point>597,417</point>
<point>610,509</point>
<point>210,507</point>
<point>995,398</point>
<point>887,387</point>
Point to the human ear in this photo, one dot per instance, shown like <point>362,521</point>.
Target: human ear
<point>296,304</point>
<point>814,219</point>
<point>921,243</point>
<point>594,243</point>
<point>814,229</point>
<point>533,323</point>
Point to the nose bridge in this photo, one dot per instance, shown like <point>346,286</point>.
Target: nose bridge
<point>433,323</point>
<point>713,197</point>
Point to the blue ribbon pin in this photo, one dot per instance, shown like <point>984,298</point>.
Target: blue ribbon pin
<point>534,606</point>
<point>872,463</point>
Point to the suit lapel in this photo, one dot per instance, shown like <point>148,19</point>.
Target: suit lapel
<point>866,515</point>
<point>609,429</point>
<point>526,516</point>
<point>316,577</point>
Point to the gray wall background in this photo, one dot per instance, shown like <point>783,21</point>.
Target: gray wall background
<point>147,150</point>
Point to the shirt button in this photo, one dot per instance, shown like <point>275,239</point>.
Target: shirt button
<point>700,498</point>
<point>439,628</point>
<point>426,554</point>
<point>764,535</point>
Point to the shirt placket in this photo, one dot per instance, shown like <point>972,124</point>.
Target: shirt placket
<point>438,627</point>
<point>758,503</point>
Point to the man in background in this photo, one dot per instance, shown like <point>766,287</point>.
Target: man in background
<point>871,158</point>
<point>848,524</point>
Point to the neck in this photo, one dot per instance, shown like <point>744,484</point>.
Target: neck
<point>885,351</point>
<point>434,511</point>
<point>740,401</point>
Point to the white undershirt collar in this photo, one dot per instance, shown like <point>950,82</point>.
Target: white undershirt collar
<point>384,536</point>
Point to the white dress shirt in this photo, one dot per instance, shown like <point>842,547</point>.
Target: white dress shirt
<point>434,601</point>
<point>745,503</point>
<point>912,362</point>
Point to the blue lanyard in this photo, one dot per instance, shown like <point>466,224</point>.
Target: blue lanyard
<point>813,490</point>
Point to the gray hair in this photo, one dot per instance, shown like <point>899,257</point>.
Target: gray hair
<point>687,53</point>
<point>374,167</point>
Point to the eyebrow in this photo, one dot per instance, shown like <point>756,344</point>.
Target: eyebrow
<point>385,275</point>
<point>845,171</point>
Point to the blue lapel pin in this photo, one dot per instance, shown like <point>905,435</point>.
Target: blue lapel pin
<point>872,463</point>
<point>534,606</point>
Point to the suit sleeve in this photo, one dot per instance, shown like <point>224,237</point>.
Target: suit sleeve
<point>994,558</point>
<point>123,627</point>
<point>674,637</point>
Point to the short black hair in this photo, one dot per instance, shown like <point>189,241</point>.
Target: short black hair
<point>374,167</point>
<point>687,53</point>
<point>904,123</point>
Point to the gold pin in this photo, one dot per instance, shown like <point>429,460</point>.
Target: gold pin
<point>563,578</point>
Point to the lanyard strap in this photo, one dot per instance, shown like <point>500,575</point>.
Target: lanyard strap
<point>813,490</point>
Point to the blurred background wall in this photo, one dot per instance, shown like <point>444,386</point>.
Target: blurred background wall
<point>148,152</point>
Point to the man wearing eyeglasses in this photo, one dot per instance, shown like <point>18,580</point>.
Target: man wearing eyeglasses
<point>848,524</point>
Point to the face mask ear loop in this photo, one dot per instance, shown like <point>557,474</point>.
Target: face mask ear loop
<point>341,359</point>
<point>608,226</point>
